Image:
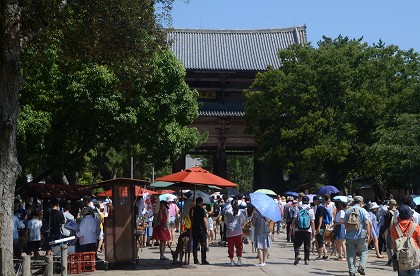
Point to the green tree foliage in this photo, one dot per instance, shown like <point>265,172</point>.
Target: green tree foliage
<point>395,157</point>
<point>317,115</point>
<point>99,77</point>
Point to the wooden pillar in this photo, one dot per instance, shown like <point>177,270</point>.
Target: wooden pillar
<point>26,265</point>
<point>64,260</point>
<point>220,163</point>
<point>49,266</point>
<point>257,173</point>
<point>179,164</point>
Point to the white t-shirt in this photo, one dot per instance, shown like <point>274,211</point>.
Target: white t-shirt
<point>331,207</point>
<point>339,217</point>
<point>34,226</point>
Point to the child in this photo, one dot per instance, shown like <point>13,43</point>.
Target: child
<point>34,232</point>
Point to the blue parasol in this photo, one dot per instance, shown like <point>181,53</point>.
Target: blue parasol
<point>328,190</point>
<point>266,206</point>
<point>294,194</point>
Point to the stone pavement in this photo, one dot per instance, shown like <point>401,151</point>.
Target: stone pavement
<point>280,262</point>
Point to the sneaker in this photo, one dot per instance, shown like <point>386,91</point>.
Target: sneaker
<point>319,259</point>
<point>205,263</point>
<point>297,259</point>
<point>163,258</point>
<point>262,264</point>
<point>325,257</point>
<point>196,262</point>
<point>306,262</point>
<point>239,263</point>
<point>361,270</point>
<point>232,263</point>
<point>352,274</point>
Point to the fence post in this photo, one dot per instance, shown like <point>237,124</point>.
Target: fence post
<point>64,260</point>
<point>26,265</point>
<point>49,266</point>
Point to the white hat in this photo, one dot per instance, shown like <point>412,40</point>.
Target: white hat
<point>373,205</point>
<point>108,200</point>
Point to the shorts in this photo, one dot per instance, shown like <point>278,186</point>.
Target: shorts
<point>210,223</point>
<point>101,235</point>
<point>172,221</point>
<point>34,245</point>
<point>51,237</point>
<point>320,238</point>
<point>149,230</point>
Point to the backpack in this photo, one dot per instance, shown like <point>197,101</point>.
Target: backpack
<point>353,220</point>
<point>327,220</point>
<point>216,209</point>
<point>407,252</point>
<point>289,217</point>
<point>303,220</point>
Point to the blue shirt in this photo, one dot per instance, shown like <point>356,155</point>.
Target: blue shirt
<point>17,224</point>
<point>363,218</point>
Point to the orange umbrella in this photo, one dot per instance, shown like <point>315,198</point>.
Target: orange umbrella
<point>197,175</point>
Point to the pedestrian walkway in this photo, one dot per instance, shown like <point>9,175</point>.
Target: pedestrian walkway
<point>280,262</point>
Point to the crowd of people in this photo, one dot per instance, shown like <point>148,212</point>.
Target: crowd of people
<point>36,225</point>
<point>343,227</point>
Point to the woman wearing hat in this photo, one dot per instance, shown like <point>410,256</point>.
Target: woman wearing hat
<point>373,208</point>
<point>405,225</point>
<point>161,228</point>
<point>340,230</point>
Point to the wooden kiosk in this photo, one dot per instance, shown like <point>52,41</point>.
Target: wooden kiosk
<point>119,236</point>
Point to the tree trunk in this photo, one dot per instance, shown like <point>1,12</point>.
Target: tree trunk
<point>10,81</point>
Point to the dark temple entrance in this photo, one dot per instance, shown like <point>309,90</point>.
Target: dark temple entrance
<point>220,65</point>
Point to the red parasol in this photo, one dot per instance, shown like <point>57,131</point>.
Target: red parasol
<point>197,175</point>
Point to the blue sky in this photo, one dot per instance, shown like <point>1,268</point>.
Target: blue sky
<point>395,22</point>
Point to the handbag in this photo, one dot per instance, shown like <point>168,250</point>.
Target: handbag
<point>71,225</point>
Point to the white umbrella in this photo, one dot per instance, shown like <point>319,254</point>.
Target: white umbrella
<point>167,197</point>
<point>343,199</point>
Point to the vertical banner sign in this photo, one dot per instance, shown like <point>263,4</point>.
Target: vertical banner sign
<point>148,205</point>
<point>155,203</point>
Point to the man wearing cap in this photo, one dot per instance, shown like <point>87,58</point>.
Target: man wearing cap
<point>357,240</point>
<point>199,231</point>
<point>320,215</point>
<point>405,224</point>
<point>88,231</point>
<point>288,214</point>
<point>386,229</point>
<point>302,236</point>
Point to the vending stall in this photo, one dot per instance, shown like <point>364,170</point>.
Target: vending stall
<point>120,241</point>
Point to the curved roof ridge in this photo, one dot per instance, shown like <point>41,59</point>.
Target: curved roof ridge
<point>215,31</point>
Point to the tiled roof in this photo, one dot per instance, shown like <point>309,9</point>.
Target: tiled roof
<point>232,49</point>
<point>226,108</point>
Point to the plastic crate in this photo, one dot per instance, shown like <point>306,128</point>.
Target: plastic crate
<point>88,261</point>
<point>74,263</point>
